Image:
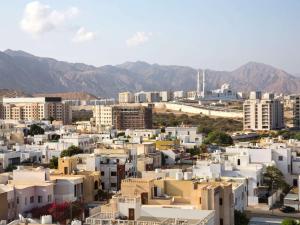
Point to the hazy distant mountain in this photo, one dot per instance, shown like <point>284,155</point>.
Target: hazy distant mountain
<point>9,93</point>
<point>23,71</point>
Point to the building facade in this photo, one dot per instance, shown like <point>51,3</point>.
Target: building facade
<point>263,112</point>
<point>295,99</point>
<point>214,195</point>
<point>36,109</point>
<point>126,97</point>
<point>132,117</point>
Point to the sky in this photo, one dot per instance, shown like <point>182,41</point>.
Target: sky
<point>211,34</point>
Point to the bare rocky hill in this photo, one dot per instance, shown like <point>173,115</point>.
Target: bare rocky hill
<point>22,71</point>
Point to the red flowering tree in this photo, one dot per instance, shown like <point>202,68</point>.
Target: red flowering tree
<point>60,212</point>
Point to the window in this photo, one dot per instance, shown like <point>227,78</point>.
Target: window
<point>239,162</point>
<point>96,185</point>
<point>113,173</point>
<point>75,190</point>
<point>31,199</point>
<point>220,201</point>
<point>280,158</point>
<point>25,200</point>
<point>40,199</point>
<point>18,200</point>
<point>200,200</point>
<point>102,173</point>
<point>49,198</point>
<point>113,185</point>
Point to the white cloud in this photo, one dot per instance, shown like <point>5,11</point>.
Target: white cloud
<point>82,35</point>
<point>138,38</point>
<point>39,18</point>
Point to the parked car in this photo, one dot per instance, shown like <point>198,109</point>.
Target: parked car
<point>287,209</point>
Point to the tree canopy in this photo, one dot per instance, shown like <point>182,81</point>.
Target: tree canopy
<point>72,150</point>
<point>53,163</point>
<point>274,178</point>
<point>205,124</point>
<point>289,222</point>
<point>240,218</point>
<point>219,138</point>
<point>36,130</point>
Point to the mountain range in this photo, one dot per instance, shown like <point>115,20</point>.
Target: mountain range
<point>32,74</point>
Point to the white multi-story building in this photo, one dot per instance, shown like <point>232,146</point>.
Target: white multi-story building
<point>188,136</point>
<point>9,157</point>
<point>144,134</point>
<point>83,141</point>
<point>140,97</point>
<point>33,188</point>
<point>263,112</point>
<point>179,94</point>
<point>103,116</point>
<point>165,96</point>
<point>39,108</point>
<point>126,97</point>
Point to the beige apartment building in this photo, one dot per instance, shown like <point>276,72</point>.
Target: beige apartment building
<point>85,185</point>
<point>263,112</point>
<point>126,97</point>
<point>103,116</point>
<point>1,109</point>
<point>295,105</point>
<point>203,195</point>
<point>36,109</point>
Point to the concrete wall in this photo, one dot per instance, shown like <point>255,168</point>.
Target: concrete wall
<point>3,206</point>
<point>273,198</point>
<point>196,110</point>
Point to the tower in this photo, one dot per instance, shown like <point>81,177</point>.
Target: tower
<point>198,85</point>
<point>203,84</point>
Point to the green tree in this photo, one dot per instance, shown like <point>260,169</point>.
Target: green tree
<point>10,168</point>
<point>296,136</point>
<point>194,151</point>
<point>219,138</point>
<point>274,179</point>
<point>204,129</point>
<point>72,150</point>
<point>51,119</point>
<point>240,218</point>
<point>35,130</point>
<point>289,222</point>
<point>53,163</point>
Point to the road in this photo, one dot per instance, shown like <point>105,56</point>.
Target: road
<point>256,212</point>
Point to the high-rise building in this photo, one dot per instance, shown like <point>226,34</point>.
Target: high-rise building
<point>1,109</point>
<point>263,112</point>
<point>38,108</point>
<point>132,117</point>
<point>140,97</point>
<point>295,105</point>
<point>179,94</point>
<point>103,116</point>
<point>165,96</point>
<point>123,117</point>
<point>126,97</point>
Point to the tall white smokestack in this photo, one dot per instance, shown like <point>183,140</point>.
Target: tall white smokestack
<point>198,84</point>
<point>203,84</point>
